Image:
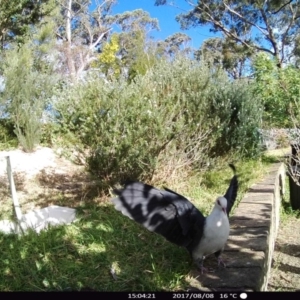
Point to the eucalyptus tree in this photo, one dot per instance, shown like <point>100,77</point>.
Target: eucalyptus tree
<point>85,26</point>
<point>81,30</point>
<point>17,16</point>
<point>136,48</point>
<point>175,44</point>
<point>270,26</point>
<point>234,58</point>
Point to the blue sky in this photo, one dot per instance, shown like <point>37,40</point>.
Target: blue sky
<point>166,17</point>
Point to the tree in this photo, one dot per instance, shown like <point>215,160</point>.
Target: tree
<point>136,48</point>
<point>296,53</point>
<point>269,26</point>
<point>279,91</point>
<point>29,81</point>
<point>174,44</point>
<point>84,29</point>
<point>16,17</point>
<point>80,33</point>
<point>107,60</point>
<point>226,54</point>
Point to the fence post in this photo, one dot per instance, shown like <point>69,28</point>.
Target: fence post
<point>13,191</point>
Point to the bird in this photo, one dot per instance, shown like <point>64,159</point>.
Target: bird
<point>173,216</point>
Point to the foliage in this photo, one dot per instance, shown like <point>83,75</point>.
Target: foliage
<point>137,58</point>
<point>128,127</point>
<point>7,136</point>
<point>17,16</point>
<point>107,59</point>
<point>167,119</point>
<point>131,21</point>
<point>28,84</point>
<point>279,90</point>
<point>174,45</point>
<point>240,113</point>
<point>223,53</point>
<point>83,30</point>
<point>268,26</point>
<point>136,51</point>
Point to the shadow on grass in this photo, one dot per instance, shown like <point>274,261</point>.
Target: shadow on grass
<point>48,188</point>
<point>51,188</point>
<point>73,187</point>
<point>102,251</point>
<point>4,185</point>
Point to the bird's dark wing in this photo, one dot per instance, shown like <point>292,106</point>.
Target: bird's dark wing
<point>231,192</point>
<point>163,212</point>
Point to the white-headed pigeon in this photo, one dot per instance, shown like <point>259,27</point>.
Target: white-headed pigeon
<point>177,219</point>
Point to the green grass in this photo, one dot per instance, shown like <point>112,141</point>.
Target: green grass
<point>84,253</point>
<point>286,210</point>
<point>103,241</point>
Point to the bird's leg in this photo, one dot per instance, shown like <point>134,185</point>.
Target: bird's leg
<point>220,261</point>
<point>199,264</point>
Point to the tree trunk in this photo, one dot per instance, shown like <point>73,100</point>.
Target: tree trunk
<point>70,61</point>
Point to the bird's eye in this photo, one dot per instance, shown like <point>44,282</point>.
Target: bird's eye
<point>219,202</point>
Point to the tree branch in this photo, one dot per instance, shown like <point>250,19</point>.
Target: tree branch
<point>93,45</point>
<point>284,35</point>
<point>270,35</point>
<point>232,35</point>
<point>283,6</point>
<point>244,19</point>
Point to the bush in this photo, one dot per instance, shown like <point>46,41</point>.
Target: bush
<point>27,90</point>
<point>279,91</point>
<point>128,129</point>
<point>7,135</point>
<point>240,113</point>
<point>171,116</point>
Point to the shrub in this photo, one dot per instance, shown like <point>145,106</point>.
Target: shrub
<point>7,135</point>
<point>28,85</point>
<point>128,129</point>
<point>240,113</point>
<point>279,91</point>
<point>171,116</point>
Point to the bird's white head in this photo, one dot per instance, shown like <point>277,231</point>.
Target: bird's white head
<point>221,203</point>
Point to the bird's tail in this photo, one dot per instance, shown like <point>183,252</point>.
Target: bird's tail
<point>233,168</point>
<point>232,190</point>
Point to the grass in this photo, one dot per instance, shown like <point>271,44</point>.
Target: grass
<point>85,254</point>
<point>286,210</point>
<point>104,250</point>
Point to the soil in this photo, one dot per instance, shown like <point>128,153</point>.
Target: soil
<point>43,178</point>
<point>285,272</point>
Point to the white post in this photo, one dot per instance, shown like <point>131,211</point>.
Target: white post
<point>13,190</point>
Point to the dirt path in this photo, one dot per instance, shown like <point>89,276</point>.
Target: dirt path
<point>285,273</point>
